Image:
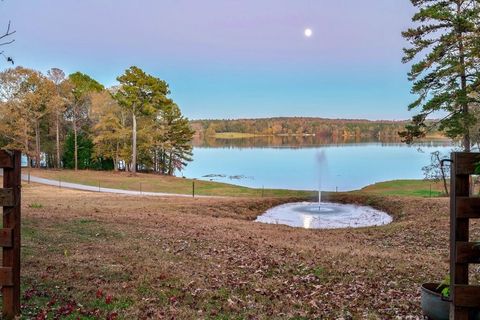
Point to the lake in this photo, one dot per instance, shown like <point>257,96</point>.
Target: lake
<point>347,166</point>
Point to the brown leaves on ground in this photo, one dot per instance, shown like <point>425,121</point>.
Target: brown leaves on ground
<point>186,258</point>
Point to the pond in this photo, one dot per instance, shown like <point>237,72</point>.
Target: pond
<point>346,166</point>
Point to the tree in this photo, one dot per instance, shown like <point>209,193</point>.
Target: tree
<point>78,151</point>
<point>141,95</point>
<point>36,93</point>
<point>58,105</point>
<point>26,94</point>
<point>15,124</point>
<point>174,139</point>
<point>210,132</point>
<point>110,127</point>
<point>437,170</point>
<point>78,110</point>
<point>6,39</point>
<point>446,73</point>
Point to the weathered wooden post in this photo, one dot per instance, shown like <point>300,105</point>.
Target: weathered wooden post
<point>463,252</point>
<point>10,233</point>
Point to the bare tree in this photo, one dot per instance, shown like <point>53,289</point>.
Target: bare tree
<point>6,39</point>
<point>437,170</point>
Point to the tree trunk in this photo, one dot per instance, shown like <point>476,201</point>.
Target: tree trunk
<point>444,176</point>
<point>75,143</point>
<point>37,144</point>
<point>116,160</point>
<point>58,140</point>
<point>463,80</point>
<point>27,151</point>
<point>170,164</point>
<point>134,143</point>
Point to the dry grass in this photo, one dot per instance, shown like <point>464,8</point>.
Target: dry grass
<point>204,259</point>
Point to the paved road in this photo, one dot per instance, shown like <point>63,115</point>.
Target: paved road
<point>76,186</point>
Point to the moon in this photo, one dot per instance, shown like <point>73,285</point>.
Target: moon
<point>308,32</point>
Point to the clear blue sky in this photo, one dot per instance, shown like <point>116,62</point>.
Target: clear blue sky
<point>230,58</point>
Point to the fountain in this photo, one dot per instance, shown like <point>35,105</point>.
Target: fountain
<point>324,215</point>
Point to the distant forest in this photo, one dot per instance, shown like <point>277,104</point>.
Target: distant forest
<point>302,126</point>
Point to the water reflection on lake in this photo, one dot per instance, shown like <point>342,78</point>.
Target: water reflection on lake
<point>292,165</point>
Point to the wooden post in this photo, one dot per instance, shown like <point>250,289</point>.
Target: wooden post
<point>10,271</point>
<point>193,188</point>
<point>463,207</point>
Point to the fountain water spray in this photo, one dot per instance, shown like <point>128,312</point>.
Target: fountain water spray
<point>324,215</point>
<point>322,162</point>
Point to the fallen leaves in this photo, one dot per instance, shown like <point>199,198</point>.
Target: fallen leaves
<point>173,259</point>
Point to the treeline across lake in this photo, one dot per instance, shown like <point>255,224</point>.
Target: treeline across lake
<point>74,122</point>
<point>283,141</point>
<point>334,129</point>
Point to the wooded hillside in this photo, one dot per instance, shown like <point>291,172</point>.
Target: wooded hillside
<point>302,126</point>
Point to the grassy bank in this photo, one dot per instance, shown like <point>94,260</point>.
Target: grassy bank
<point>158,183</point>
<point>418,188</point>
<point>101,256</point>
<point>236,135</point>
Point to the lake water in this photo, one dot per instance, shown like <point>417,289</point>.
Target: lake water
<point>347,166</point>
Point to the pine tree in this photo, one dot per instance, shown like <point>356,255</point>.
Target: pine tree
<point>84,156</point>
<point>174,139</point>
<point>78,110</point>
<point>142,95</point>
<point>445,72</point>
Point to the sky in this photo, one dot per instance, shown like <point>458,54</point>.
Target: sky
<point>230,58</point>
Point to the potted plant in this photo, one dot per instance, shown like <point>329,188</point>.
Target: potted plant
<point>435,301</point>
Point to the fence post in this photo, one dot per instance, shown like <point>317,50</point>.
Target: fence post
<point>463,251</point>
<point>10,270</point>
<point>193,188</point>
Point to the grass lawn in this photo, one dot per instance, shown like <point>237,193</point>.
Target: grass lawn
<point>419,188</point>
<point>88,255</point>
<point>159,183</point>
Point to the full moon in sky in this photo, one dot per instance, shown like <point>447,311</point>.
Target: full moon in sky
<point>308,32</point>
